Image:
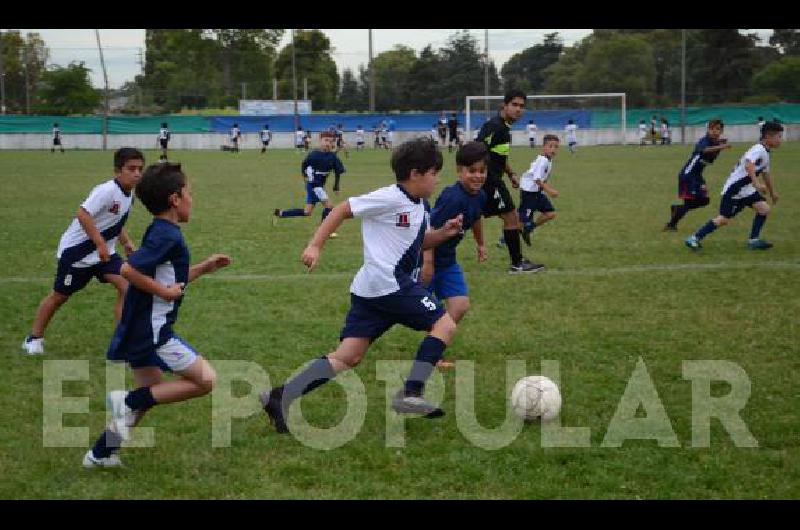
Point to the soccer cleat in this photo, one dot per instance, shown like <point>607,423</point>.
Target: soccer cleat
<point>445,364</point>
<point>759,244</point>
<point>271,402</point>
<point>525,233</point>
<point>407,404</point>
<point>89,461</point>
<point>526,266</point>
<point>276,214</point>
<point>693,243</point>
<point>33,346</point>
<point>333,235</point>
<point>122,417</point>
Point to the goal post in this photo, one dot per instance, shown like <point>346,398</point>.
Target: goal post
<point>606,95</point>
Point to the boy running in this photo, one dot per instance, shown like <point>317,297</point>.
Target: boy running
<point>534,189</point>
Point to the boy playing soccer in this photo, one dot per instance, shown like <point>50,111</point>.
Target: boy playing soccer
<point>572,136</point>
<point>531,127</point>
<point>315,168</point>
<point>691,183</point>
<point>158,273</point>
<point>266,138</point>
<point>163,140</point>
<point>359,138</point>
<point>87,248</point>
<point>534,189</point>
<point>56,139</point>
<point>386,290</point>
<point>743,188</point>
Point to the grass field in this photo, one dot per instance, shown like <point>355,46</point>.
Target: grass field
<point>617,289</point>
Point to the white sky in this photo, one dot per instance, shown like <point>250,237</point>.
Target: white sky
<point>351,47</point>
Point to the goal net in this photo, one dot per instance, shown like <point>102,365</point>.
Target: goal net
<point>601,116</point>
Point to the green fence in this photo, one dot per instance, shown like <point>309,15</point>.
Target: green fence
<point>698,116</point>
<point>94,124</point>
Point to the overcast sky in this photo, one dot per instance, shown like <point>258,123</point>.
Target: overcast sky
<point>351,46</point>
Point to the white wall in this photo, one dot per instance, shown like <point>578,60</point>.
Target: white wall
<point>213,141</point>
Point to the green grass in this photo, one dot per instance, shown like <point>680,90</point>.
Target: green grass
<point>616,289</point>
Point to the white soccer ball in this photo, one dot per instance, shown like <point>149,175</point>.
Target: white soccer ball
<point>536,397</point>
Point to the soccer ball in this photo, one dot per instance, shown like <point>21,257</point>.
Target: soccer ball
<point>536,398</point>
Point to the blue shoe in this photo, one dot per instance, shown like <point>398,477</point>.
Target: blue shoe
<point>758,244</point>
<point>693,243</point>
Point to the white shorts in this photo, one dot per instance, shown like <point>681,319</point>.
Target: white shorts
<point>177,354</point>
<point>391,136</point>
<point>320,193</point>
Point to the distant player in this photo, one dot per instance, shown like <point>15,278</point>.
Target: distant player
<point>266,138</point>
<point>744,188</point>
<point>761,123</point>
<point>315,169</point>
<point>56,139</point>
<point>653,131</point>
<point>144,339</point>
<point>665,132</point>
<point>307,140</point>
<point>391,125</point>
<point>300,137</point>
<point>434,132</point>
<point>235,136</point>
<point>384,135</point>
<point>164,136</point>
<point>692,188</point>
<point>534,189</point>
<point>376,131</point>
<point>386,291</point>
<point>340,143</point>
<point>642,133</point>
<point>441,129</point>
<point>572,135</point>
<point>531,128</point>
<point>87,248</point>
<point>359,138</point>
<point>452,129</point>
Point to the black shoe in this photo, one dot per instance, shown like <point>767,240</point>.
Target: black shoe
<point>526,266</point>
<point>271,401</point>
<point>525,233</point>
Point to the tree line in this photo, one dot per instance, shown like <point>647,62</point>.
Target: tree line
<point>211,68</point>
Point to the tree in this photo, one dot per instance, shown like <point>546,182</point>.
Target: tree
<point>68,90</point>
<point>720,65</point>
<point>351,96</point>
<point>525,70</point>
<point>313,61</point>
<point>786,40</point>
<point>462,72</point>
<point>620,63</point>
<point>21,55</point>
<point>393,83</point>
<point>781,78</point>
<point>425,75</point>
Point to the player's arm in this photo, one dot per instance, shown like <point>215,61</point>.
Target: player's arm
<point>87,223</point>
<point>715,148</point>
<point>548,189</point>
<point>340,212</point>
<point>145,283</point>
<point>434,238</point>
<point>337,170</point>
<point>127,243</point>
<point>768,183</point>
<point>477,233</point>
<point>511,175</point>
<point>209,265</point>
<point>751,172</point>
<point>427,266</point>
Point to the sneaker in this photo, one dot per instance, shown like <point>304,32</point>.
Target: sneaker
<point>445,364</point>
<point>501,242</point>
<point>275,216</point>
<point>122,417</point>
<point>693,243</point>
<point>525,233</point>
<point>526,266</point>
<point>89,461</point>
<point>759,244</point>
<point>405,404</point>
<point>669,228</point>
<point>333,235</point>
<point>271,402</point>
<point>33,346</point>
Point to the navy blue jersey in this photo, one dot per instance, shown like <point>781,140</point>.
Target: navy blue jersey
<point>318,164</point>
<point>452,201</point>
<point>147,319</point>
<point>698,160</point>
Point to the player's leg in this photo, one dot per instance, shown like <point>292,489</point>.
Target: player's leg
<point>34,343</point>
<point>727,211</point>
<point>121,285</point>
<point>762,210</point>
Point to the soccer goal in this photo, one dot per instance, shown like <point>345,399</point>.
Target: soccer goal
<point>560,104</point>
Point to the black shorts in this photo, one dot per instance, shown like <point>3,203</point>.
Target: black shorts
<point>533,201</point>
<point>339,142</point>
<point>265,143</point>
<point>498,199</point>
<point>56,141</point>
<point>164,143</point>
<point>370,318</point>
<point>729,207</point>
<point>453,136</point>
<point>70,280</point>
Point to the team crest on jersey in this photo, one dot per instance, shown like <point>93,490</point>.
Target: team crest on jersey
<point>114,209</point>
<point>403,220</point>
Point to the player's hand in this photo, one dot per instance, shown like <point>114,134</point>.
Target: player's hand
<point>482,254</point>
<point>173,292</point>
<point>130,248</point>
<point>514,180</point>
<point>453,226</point>
<point>762,189</point>
<point>310,257</point>
<point>217,261</point>
<point>554,194</point>
<point>103,253</point>
<point>775,198</point>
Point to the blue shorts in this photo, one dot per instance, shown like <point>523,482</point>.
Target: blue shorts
<point>448,282</point>
<point>729,207</point>
<point>532,201</point>
<point>175,355</point>
<point>315,194</point>
<point>692,187</point>
<point>70,280</point>
<point>372,317</point>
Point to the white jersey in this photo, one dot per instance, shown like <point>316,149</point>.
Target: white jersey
<point>235,133</point>
<point>163,134</point>
<point>664,130</point>
<point>360,136</point>
<point>739,185</point>
<point>393,227</point>
<point>571,132</point>
<point>109,206</point>
<point>538,172</point>
<point>760,125</point>
<point>642,130</point>
<point>434,133</point>
<point>266,135</point>
<point>299,137</point>
<point>531,130</point>
<point>56,133</point>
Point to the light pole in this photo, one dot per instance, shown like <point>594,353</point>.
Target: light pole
<point>105,78</point>
<point>294,83</point>
<point>371,77</point>
<point>683,87</point>
<point>2,78</point>
<point>486,72</point>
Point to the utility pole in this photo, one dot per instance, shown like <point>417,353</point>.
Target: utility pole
<point>105,78</point>
<point>486,72</point>
<point>2,78</point>
<point>305,88</point>
<point>683,87</point>
<point>275,88</point>
<point>140,61</point>
<point>244,90</point>
<point>371,77</point>
<point>294,84</point>
<point>27,81</point>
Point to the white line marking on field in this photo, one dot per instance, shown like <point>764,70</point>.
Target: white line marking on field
<point>588,271</point>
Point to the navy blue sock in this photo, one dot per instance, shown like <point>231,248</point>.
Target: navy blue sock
<point>758,224</point>
<point>325,213</point>
<point>293,212</point>
<point>430,351</point>
<point>140,399</point>
<point>705,230</point>
<point>106,444</point>
<point>316,374</point>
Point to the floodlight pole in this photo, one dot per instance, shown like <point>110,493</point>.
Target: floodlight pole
<point>294,84</point>
<point>486,71</point>
<point>27,81</point>
<point>683,87</point>
<point>2,78</point>
<point>371,77</point>
<point>105,79</point>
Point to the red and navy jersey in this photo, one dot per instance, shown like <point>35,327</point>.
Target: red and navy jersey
<point>452,201</point>
<point>699,160</point>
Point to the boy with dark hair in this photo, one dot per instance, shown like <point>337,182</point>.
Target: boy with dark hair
<point>386,291</point>
<point>56,139</point>
<point>340,143</point>
<point>266,138</point>
<point>534,189</point>
<point>744,188</point>
<point>442,129</point>
<point>299,137</point>
<point>665,132</point>
<point>496,134</point>
<point>315,168</point>
<point>572,135</point>
<point>87,247</point>
<point>452,129</point>
<point>359,137</point>
<point>158,274</point>
<point>235,135</point>
<point>691,183</point>
<point>531,128</point>
<point>164,137</point>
